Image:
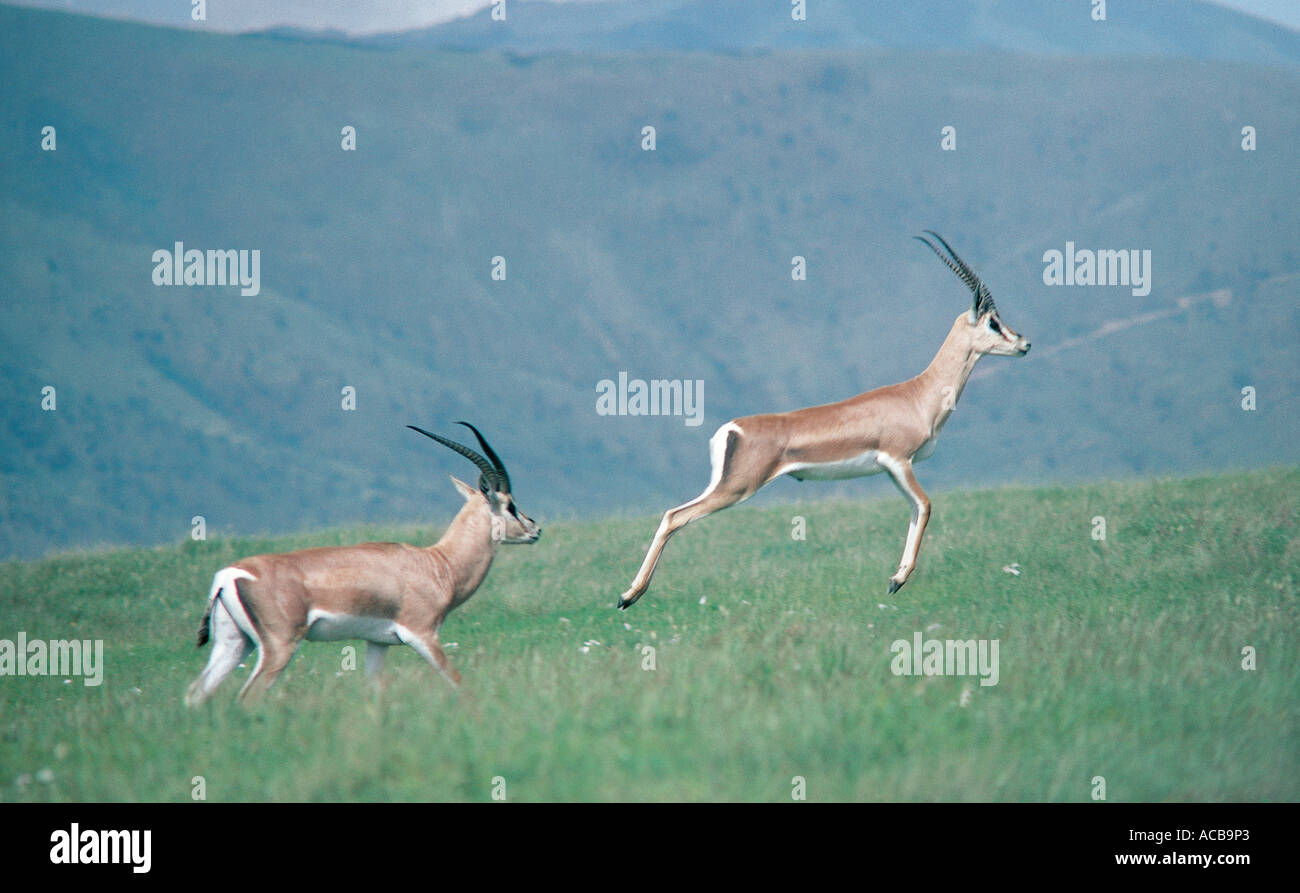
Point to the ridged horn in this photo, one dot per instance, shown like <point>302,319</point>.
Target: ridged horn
<point>487,473</point>
<point>981,298</point>
<point>503,475</point>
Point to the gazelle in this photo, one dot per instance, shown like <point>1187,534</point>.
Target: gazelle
<point>882,430</point>
<point>386,593</point>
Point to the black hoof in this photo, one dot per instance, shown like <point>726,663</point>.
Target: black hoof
<point>894,586</point>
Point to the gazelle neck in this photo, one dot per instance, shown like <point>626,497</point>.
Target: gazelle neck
<point>469,546</point>
<point>945,378</point>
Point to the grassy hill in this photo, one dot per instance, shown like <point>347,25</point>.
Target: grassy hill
<point>177,402</point>
<point>1120,658</point>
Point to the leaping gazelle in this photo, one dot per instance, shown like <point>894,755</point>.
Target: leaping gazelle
<point>882,430</point>
<point>385,593</point>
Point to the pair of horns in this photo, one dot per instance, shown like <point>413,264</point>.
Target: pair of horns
<point>982,300</point>
<point>492,474</point>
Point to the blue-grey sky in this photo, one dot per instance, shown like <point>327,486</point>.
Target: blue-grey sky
<point>396,15</point>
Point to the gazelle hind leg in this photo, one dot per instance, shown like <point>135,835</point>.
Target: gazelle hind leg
<point>272,658</point>
<point>229,647</point>
<point>717,496</point>
<point>905,479</point>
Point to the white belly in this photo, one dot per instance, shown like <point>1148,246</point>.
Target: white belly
<point>324,626</point>
<point>853,467</point>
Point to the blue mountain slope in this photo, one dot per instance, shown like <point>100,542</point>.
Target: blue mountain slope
<point>376,267</point>
<point>1187,28</point>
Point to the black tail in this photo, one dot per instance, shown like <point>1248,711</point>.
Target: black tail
<point>203,627</point>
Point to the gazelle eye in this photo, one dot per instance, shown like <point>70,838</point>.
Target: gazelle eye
<point>993,324</point>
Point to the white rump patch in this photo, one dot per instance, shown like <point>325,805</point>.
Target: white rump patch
<point>223,583</point>
<point>717,461</point>
<point>718,455</point>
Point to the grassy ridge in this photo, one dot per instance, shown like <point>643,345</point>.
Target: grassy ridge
<point>1119,658</point>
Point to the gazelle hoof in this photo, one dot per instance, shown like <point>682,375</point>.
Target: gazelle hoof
<point>626,600</point>
<point>894,586</point>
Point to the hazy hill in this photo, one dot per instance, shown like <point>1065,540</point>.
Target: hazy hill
<point>1185,29</point>
<point>375,264</point>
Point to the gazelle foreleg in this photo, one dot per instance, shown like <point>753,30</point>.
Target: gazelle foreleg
<point>376,653</point>
<point>905,480</point>
<point>428,647</point>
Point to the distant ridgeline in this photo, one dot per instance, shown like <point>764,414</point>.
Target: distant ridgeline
<point>1186,29</point>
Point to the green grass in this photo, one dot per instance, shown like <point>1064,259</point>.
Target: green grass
<point>1119,658</point>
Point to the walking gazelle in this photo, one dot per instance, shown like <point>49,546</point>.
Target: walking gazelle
<point>882,430</point>
<point>385,593</point>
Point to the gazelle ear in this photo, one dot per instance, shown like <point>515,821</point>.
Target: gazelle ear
<point>465,489</point>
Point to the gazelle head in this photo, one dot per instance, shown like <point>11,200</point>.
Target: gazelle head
<point>509,525</point>
<point>989,334</point>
